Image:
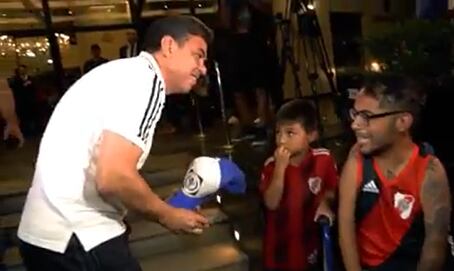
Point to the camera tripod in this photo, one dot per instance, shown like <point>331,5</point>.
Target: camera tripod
<point>316,57</point>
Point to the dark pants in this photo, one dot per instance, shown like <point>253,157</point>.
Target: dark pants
<point>315,268</point>
<point>112,255</point>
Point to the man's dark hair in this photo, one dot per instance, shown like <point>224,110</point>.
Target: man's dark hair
<point>396,92</point>
<point>179,27</point>
<point>95,47</point>
<point>300,111</point>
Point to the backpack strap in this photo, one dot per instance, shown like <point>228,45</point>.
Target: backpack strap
<point>368,191</point>
<point>426,149</point>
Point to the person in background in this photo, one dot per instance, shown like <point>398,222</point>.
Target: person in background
<point>95,60</point>
<point>25,100</point>
<point>131,49</point>
<point>11,127</point>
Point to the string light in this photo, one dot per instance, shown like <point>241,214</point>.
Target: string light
<point>32,47</point>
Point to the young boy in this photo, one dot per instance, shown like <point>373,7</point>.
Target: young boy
<point>298,185</point>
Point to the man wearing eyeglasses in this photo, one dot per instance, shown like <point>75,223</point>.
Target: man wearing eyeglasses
<point>394,209</point>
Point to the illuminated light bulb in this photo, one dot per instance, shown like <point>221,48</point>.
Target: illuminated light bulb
<point>375,66</point>
<point>236,234</point>
<point>30,53</point>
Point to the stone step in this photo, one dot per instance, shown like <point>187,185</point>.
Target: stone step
<point>12,173</point>
<point>141,228</point>
<point>9,221</point>
<point>147,238</point>
<point>13,187</point>
<point>240,205</point>
<point>174,143</point>
<point>164,177</point>
<point>171,242</point>
<point>163,171</point>
<point>218,257</point>
<point>156,163</point>
<point>12,259</point>
<point>12,201</point>
<point>252,247</point>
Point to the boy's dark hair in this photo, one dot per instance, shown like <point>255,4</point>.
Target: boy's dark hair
<point>178,27</point>
<point>301,111</point>
<point>396,92</point>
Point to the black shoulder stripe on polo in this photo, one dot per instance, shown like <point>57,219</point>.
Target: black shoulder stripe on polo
<point>153,100</point>
<point>152,117</point>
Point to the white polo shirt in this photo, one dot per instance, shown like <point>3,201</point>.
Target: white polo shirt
<point>125,96</point>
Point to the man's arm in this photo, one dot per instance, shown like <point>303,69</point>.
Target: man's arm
<point>436,205</point>
<point>117,177</point>
<point>347,203</point>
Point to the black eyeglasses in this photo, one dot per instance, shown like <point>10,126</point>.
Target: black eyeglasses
<point>364,117</point>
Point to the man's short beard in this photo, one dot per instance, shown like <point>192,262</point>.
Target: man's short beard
<point>379,150</point>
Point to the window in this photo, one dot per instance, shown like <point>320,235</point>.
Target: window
<point>153,8</point>
<point>21,15</point>
<point>89,13</point>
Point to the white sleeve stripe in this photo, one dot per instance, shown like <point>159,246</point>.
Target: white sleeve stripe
<point>153,96</point>
<point>269,160</point>
<point>321,153</point>
<point>320,150</point>
<point>156,108</point>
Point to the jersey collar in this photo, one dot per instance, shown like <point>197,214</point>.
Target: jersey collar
<point>153,65</point>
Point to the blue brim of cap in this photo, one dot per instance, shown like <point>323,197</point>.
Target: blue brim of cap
<point>180,200</point>
<point>232,177</point>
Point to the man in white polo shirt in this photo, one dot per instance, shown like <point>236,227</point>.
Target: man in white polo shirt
<point>99,135</point>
